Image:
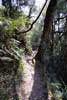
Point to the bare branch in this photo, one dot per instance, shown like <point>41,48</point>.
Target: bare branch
<point>31,26</point>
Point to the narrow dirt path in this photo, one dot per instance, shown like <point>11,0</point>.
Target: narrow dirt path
<point>31,87</point>
<point>26,85</point>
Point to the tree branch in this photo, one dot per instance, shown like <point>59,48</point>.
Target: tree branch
<point>31,26</point>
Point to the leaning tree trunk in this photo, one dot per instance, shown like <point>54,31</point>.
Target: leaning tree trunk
<point>42,56</point>
<point>45,43</point>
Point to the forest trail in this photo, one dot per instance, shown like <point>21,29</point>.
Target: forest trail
<point>31,87</point>
<point>24,85</point>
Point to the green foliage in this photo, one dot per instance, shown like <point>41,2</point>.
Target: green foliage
<point>57,90</point>
<point>15,50</point>
<point>61,6</point>
<point>8,25</point>
<point>2,10</point>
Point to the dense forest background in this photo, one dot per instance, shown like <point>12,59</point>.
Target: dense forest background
<point>37,35</point>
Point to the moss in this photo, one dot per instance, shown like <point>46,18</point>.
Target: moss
<point>21,66</point>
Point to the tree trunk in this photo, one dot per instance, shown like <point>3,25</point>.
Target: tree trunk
<point>45,43</point>
<point>42,56</point>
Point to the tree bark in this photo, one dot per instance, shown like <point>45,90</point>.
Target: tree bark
<point>45,43</point>
<point>42,56</point>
